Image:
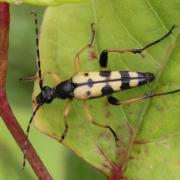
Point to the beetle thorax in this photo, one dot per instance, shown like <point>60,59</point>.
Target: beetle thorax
<point>64,90</point>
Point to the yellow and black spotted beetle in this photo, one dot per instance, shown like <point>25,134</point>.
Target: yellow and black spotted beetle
<point>89,85</point>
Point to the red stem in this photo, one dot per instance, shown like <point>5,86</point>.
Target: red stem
<point>5,109</point>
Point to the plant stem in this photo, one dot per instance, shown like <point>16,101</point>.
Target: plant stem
<point>5,109</point>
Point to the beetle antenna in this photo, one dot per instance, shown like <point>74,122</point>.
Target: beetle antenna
<point>27,134</point>
<point>37,49</point>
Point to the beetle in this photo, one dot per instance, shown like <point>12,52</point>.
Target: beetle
<point>88,85</point>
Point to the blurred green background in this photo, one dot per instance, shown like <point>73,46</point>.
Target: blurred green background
<point>62,164</point>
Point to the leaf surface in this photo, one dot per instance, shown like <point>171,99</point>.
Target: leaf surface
<point>150,148</point>
<point>41,2</point>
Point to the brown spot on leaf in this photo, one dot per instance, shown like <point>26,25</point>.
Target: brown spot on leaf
<point>178,162</point>
<point>140,142</point>
<point>92,55</point>
<point>146,151</point>
<point>138,151</point>
<point>131,113</point>
<point>160,108</point>
<point>108,114</point>
<point>131,157</point>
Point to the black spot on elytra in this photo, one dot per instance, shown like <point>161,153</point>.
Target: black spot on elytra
<point>88,93</point>
<point>105,73</point>
<point>86,74</point>
<point>125,84</point>
<point>107,90</point>
<point>90,82</point>
<point>125,78</point>
<point>124,74</point>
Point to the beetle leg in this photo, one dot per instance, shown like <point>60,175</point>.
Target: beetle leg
<point>66,113</point>
<point>29,78</point>
<point>92,120</point>
<point>104,55</point>
<point>89,45</point>
<point>54,76</point>
<point>114,101</point>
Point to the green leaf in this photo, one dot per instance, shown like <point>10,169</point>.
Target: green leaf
<point>152,147</point>
<point>42,2</point>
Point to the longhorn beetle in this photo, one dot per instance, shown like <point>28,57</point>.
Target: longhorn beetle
<point>88,85</point>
